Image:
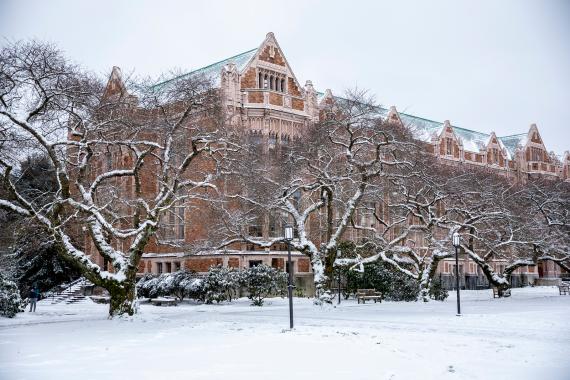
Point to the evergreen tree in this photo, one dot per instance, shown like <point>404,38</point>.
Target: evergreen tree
<point>10,301</point>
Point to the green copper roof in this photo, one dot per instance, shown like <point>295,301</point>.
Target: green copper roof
<point>213,71</point>
<point>513,142</point>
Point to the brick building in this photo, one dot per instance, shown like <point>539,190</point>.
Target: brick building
<point>261,92</point>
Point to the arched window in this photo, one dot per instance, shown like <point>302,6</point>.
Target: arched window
<point>260,81</point>
<point>272,82</point>
<point>282,85</point>
<point>277,84</point>
<point>265,81</point>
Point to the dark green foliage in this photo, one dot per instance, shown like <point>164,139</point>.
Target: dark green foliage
<point>38,263</point>
<point>180,284</point>
<point>147,286</point>
<point>221,284</point>
<point>403,288</point>
<point>36,258</point>
<point>37,180</point>
<point>394,285</point>
<point>262,281</point>
<point>437,291</point>
<point>10,301</point>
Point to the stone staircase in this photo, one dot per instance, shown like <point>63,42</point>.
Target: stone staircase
<point>73,293</point>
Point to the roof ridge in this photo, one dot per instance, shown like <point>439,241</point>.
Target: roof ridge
<point>203,68</point>
<point>471,130</point>
<point>517,134</point>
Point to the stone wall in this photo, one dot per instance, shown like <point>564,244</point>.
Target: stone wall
<point>248,79</point>
<point>298,104</point>
<point>276,59</point>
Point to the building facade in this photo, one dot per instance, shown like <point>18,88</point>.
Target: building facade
<point>261,92</point>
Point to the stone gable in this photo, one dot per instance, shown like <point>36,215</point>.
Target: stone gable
<point>271,54</point>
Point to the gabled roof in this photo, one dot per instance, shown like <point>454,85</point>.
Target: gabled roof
<point>472,141</point>
<point>513,142</point>
<point>213,71</point>
<point>424,129</point>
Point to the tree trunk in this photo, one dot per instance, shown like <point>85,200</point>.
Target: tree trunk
<point>426,276</point>
<point>424,283</point>
<point>491,277</point>
<point>322,294</point>
<point>487,270</point>
<point>123,298</point>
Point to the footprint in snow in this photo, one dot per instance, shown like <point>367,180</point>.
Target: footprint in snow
<point>450,369</point>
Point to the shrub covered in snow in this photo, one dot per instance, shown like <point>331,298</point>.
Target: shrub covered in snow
<point>262,281</point>
<point>179,284</point>
<point>147,286</point>
<point>403,288</point>
<point>193,288</point>
<point>10,301</point>
<point>221,284</point>
<point>437,291</point>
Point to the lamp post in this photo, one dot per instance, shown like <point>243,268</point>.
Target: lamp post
<point>338,257</point>
<point>288,238</point>
<point>456,243</point>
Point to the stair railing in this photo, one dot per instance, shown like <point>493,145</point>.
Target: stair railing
<point>72,283</point>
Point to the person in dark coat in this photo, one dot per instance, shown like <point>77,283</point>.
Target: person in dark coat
<point>33,296</point>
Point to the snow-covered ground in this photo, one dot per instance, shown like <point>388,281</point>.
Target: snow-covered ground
<point>526,336</point>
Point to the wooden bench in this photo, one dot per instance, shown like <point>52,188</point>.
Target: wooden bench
<point>506,293</point>
<point>368,294</point>
<point>564,289</point>
<point>163,302</point>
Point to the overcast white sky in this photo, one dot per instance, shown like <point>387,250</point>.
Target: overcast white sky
<point>485,65</point>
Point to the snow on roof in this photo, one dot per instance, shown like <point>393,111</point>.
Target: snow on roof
<point>214,70</point>
<point>153,254</point>
<point>423,129</point>
<point>513,142</point>
<point>472,141</point>
<point>383,112</point>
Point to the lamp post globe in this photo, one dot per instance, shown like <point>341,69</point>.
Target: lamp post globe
<point>456,239</point>
<point>288,232</point>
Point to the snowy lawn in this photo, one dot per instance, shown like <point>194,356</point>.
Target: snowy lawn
<point>526,336</point>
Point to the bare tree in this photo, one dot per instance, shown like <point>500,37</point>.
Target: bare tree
<point>547,206</point>
<point>410,229</point>
<point>121,161</point>
<point>321,180</point>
